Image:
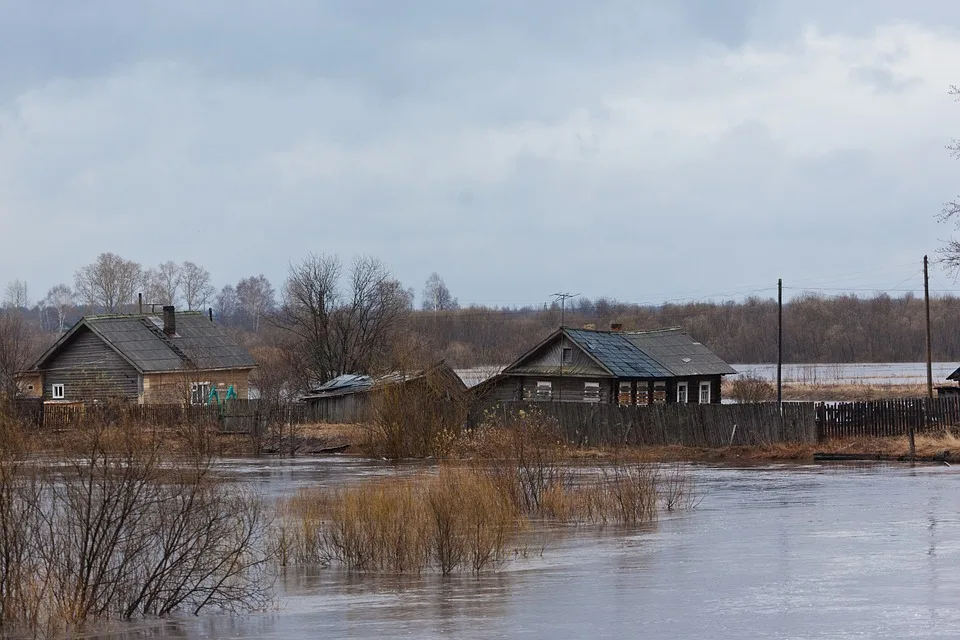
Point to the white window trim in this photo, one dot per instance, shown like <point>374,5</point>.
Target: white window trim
<point>708,387</point>
<point>193,388</point>
<point>686,392</point>
<point>54,388</point>
<point>591,391</point>
<point>544,390</point>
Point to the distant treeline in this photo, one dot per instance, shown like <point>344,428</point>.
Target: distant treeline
<point>817,329</point>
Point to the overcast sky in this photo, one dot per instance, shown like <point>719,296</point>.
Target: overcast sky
<point>639,150</point>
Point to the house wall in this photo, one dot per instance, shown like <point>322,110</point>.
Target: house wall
<point>571,389</point>
<point>174,388</point>
<point>548,360</point>
<point>89,370</point>
<point>346,409</point>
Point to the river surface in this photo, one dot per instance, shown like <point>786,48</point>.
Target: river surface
<point>782,551</point>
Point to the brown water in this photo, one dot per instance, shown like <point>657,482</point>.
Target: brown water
<point>770,552</point>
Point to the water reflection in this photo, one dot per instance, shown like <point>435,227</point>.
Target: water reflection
<point>853,551</point>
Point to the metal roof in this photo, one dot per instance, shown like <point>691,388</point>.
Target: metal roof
<point>677,352</point>
<point>617,354</point>
<point>197,344</point>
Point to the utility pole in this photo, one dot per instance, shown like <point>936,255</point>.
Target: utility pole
<point>780,344</point>
<point>926,304</point>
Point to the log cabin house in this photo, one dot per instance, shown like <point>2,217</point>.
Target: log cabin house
<point>624,367</point>
<point>173,358</point>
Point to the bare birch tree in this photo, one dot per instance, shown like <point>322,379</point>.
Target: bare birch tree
<point>195,285</point>
<point>225,304</point>
<point>950,213</point>
<point>60,299</point>
<point>110,282</point>
<point>255,297</point>
<point>162,285</point>
<point>345,323</point>
<point>15,295</point>
<point>436,295</point>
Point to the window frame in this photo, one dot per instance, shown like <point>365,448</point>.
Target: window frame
<point>566,355</point>
<point>594,394</point>
<point>61,387</point>
<point>705,386</point>
<point>544,390</point>
<point>201,400</point>
<point>685,386</point>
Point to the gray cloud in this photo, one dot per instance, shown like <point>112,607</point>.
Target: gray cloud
<point>617,148</point>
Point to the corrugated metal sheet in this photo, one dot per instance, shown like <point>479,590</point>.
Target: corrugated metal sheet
<point>677,352</point>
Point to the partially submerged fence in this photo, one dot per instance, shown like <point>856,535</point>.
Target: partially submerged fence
<point>233,416</point>
<point>691,425</point>
<point>884,418</point>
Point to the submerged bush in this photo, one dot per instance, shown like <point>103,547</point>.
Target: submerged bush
<point>116,530</point>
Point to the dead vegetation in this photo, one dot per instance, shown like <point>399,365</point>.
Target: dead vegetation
<point>113,528</point>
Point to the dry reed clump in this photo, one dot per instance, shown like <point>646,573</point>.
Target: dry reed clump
<point>750,387</point>
<point>113,529</point>
<point>456,519</point>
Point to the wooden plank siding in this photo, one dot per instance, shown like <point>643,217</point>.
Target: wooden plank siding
<point>89,369</point>
<point>886,418</point>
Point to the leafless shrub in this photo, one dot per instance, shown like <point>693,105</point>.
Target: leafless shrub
<point>118,531</point>
<point>752,388</point>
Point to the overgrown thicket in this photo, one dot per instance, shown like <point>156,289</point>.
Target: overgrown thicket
<point>470,514</point>
<point>114,529</point>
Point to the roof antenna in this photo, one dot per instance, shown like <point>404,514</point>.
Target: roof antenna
<point>562,297</point>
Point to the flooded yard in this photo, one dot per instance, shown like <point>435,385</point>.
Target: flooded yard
<point>770,552</point>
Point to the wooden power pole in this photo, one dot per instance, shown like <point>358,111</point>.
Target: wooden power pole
<point>780,344</point>
<point>926,304</point>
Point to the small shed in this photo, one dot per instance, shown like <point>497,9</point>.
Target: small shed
<point>350,398</point>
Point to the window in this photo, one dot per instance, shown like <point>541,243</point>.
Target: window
<point>591,391</point>
<point>29,387</point>
<point>58,392</point>
<point>659,392</point>
<point>704,393</point>
<point>566,355</point>
<point>544,390</point>
<point>625,394</point>
<point>199,392</point>
<point>681,393</point>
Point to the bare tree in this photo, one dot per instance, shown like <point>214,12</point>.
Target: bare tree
<point>162,285</point>
<point>950,213</point>
<point>195,285</point>
<point>16,296</point>
<point>60,298</point>
<point>436,295</point>
<point>18,346</point>
<point>110,282</point>
<point>345,323</point>
<point>255,297</point>
<point>225,304</point>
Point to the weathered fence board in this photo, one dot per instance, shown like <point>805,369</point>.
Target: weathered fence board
<point>691,425</point>
<point>885,418</point>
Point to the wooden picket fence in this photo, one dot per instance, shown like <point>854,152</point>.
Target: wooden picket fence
<point>691,425</point>
<point>884,418</point>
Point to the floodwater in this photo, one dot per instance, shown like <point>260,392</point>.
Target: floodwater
<point>784,551</point>
<point>872,373</point>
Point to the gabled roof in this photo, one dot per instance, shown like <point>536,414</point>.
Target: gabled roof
<point>350,383</point>
<point>140,340</point>
<point>665,353</point>
<point>677,352</point>
<point>954,376</point>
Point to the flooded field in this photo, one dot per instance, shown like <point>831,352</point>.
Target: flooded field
<point>770,552</point>
<point>873,373</point>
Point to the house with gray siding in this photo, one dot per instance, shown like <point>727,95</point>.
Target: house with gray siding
<point>169,358</point>
<point>630,368</point>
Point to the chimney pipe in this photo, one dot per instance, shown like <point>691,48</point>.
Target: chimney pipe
<point>169,320</point>
<point>616,326</point>
<point>210,313</point>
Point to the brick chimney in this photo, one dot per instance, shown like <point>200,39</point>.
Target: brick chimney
<point>169,321</point>
<point>616,326</point>
<point>590,326</point>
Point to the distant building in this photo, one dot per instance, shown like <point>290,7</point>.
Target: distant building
<point>622,367</point>
<point>950,390</point>
<point>176,357</point>
<point>350,398</point>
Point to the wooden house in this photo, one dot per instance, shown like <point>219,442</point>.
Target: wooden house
<point>173,358</point>
<point>622,367</point>
<point>350,398</point>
